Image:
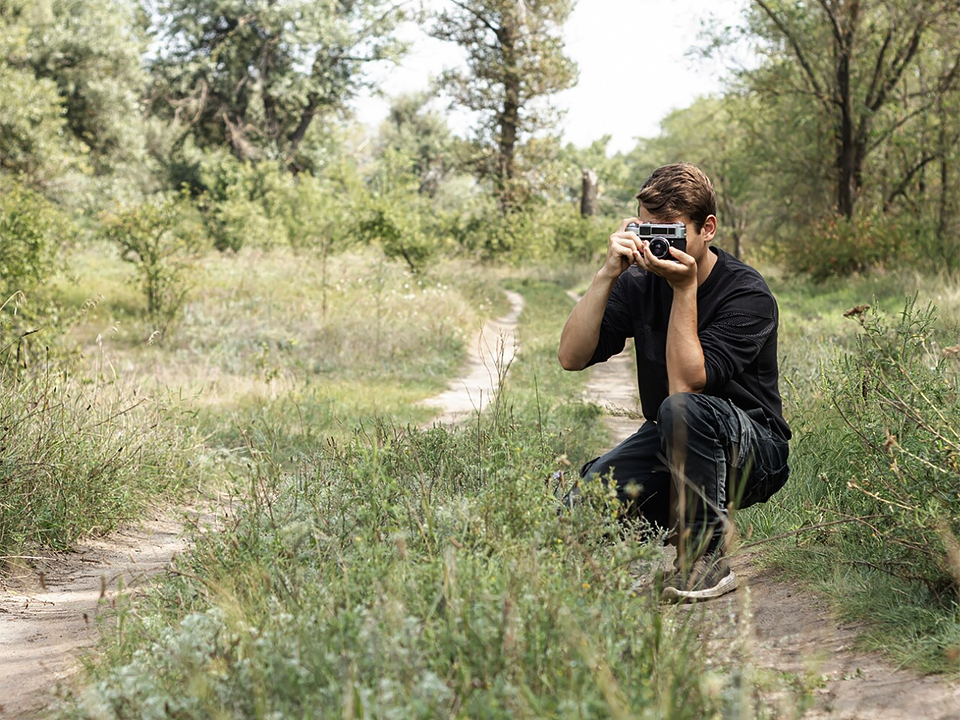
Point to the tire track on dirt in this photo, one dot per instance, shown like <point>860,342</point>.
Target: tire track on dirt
<point>777,625</point>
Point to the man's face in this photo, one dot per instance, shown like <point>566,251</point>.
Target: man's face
<point>696,241</point>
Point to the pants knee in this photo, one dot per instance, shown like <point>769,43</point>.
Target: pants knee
<point>676,408</point>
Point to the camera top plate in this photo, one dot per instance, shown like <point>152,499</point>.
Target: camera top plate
<point>671,231</point>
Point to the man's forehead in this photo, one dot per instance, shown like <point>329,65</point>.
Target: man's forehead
<point>645,216</point>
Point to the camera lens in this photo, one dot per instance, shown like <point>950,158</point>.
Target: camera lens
<point>660,248</point>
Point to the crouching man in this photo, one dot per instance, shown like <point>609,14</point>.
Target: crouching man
<point>705,329</point>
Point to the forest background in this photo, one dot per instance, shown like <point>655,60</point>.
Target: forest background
<point>192,222</point>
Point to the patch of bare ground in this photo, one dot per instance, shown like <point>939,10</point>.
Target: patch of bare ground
<point>51,605</point>
<point>780,628</point>
<point>490,356</point>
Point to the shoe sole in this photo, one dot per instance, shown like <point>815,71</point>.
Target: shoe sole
<point>727,584</point>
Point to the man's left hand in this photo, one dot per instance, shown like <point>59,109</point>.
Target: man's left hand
<point>681,274</point>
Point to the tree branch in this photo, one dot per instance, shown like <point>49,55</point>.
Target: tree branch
<point>807,68</point>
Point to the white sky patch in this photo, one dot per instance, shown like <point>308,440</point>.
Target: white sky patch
<point>633,61</point>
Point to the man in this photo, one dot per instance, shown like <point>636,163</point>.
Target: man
<point>705,329</point>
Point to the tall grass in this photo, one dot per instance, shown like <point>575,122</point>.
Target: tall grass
<point>79,456</point>
<point>873,496</point>
<point>401,572</point>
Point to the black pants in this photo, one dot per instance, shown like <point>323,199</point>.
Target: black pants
<point>703,452</point>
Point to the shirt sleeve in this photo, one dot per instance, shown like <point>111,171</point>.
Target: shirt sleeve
<point>616,325</point>
<point>734,339</point>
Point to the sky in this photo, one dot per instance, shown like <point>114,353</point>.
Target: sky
<point>633,61</point>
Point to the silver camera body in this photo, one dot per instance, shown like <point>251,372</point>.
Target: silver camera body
<point>661,236</point>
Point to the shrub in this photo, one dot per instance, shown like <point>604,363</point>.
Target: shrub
<point>891,448</point>
<point>30,226</point>
<point>837,246</point>
<point>155,237</point>
<point>242,203</point>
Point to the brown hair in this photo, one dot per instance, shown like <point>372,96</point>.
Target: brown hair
<point>679,189</point>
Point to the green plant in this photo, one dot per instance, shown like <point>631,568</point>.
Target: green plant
<point>78,456</point>
<point>156,238</point>
<point>897,404</point>
<point>837,246</point>
<point>30,228</point>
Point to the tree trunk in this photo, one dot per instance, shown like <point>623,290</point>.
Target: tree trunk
<point>510,115</point>
<point>847,170</point>
<point>588,194</point>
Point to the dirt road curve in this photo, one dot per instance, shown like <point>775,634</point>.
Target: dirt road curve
<point>781,627</point>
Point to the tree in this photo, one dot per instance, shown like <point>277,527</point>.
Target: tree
<point>33,144</point>
<point>854,62</point>
<point>421,135</point>
<point>91,50</point>
<point>253,75</point>
<point>515,61</point>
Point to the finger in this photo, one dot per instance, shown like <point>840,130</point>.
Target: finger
<point>685,260</point>
<point>626,239</point>
<point>627,221</point>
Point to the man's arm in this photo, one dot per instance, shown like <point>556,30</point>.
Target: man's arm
<point>581,332</point>
<point>686,368</point>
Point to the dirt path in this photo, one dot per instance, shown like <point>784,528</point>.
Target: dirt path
<point>50,612</point>
<point>782,627</point>
<point>490,356</point>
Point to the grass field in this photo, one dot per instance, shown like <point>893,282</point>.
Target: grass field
<point>376,569</point>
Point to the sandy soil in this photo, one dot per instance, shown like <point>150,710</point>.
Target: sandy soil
<point>490,357</point>
<point>777,625</point>
<point>52,609</point>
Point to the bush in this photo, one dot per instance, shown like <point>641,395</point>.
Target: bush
<point>837,246</point>
<point>242,203</point>
<point>890,451</point>
<point>30,227</point>
<point>156,238</point>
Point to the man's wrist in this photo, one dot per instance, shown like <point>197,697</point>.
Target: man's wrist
<point>607,276</point>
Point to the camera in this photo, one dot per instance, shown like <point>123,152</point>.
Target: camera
<point>661,237</point>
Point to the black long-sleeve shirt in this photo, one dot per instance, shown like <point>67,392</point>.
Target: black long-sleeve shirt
<point>737,320</point>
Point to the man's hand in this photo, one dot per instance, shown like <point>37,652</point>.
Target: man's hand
<point>681,275</point>
<point>623,250</point>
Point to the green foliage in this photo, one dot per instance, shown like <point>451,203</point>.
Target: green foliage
<point>515,61</point>
<point>81,457</point>
<point>397,216</point>
<point>893,445</point>
<point>158,240</point>
<point>91,50</point>
<point>31,115</point>
<point>837,246</point>
<point>252,76</point>
<point>242,203</point>
<point>537,233</point>
<point>415,132</point>
<point>31,228</point>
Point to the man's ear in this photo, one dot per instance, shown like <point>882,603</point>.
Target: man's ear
<point>709,228</point>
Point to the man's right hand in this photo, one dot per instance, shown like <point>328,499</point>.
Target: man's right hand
<point>623,250</point>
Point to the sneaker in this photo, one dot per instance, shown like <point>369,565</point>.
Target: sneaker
<point>573,499</point>
<point>710,577</point>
